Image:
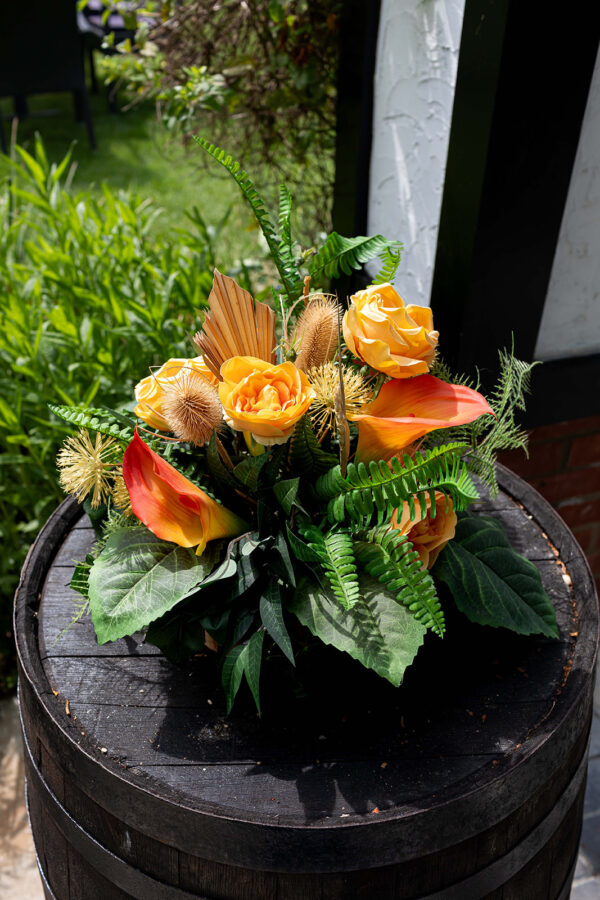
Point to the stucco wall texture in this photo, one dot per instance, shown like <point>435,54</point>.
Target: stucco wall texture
<point>415,77</point>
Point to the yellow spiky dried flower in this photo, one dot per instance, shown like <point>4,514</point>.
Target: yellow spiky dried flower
<point>192,408</point>
<point>85,467</point>
<point>317,331</point>
<point>325,380</point>
<point>119,492</point>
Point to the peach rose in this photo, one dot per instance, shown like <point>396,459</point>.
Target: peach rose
<point>393,338</point>
<point>262,398</point>
<point>150,393</point>
<point>430,535</point>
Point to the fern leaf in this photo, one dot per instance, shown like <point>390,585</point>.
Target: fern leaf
<point>340,254</point>
<point>286,246</point>
<point>389,557</point>
<point>103,421</point>
<point>290,280</point>
<point>374,492</point>
<point>334,551</point>
<point>307,457</point>
<point>390,257</point>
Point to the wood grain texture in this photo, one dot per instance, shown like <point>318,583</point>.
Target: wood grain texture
<point>357,788</point>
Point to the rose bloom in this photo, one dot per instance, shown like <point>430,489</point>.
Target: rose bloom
<point>150,391</point>
<point>389,336</point>
<point>428,536</point>
<point>264,399</point>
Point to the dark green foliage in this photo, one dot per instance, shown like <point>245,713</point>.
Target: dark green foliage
<point>375,491</point>
<point>243,660</point>
<point>389,557</point>
<point>307,456</point>
<point>335,554</point>
<point>491,583</point>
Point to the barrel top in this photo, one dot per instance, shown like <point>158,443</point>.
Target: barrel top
<point>471,707</point>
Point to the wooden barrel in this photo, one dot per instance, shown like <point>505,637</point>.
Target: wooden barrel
<point>466,782</point>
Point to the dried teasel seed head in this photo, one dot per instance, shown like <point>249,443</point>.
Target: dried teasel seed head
<point>317,331</point>
<point>192,408</point>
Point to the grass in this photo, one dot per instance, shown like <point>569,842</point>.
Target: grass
<point>136,153</point>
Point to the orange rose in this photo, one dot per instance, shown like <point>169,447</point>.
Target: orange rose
<point>264,399</point>
<point>430,535</point>
<point>389,336</point>
<point>150,391</point>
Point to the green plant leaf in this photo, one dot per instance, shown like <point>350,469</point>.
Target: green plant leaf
<point>307,457</point>
<point>231,675</point>
<point>104,421</point>
<point>252,657</point>
<point>389,557</point>
<point>286,493</point>
<point>377,631</point>
<point>491,583</point>
<point>341,254</point>
<point>271,614</point>
<point>138,578</point>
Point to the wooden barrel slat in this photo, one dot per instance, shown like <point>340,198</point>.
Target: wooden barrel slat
<point>398,798</point>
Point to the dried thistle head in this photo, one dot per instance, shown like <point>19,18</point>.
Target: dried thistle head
<point>85,467</point>
<point>192,408</point>
<point>119,492</point>
<point>317,332</point>
<point>325,381</point>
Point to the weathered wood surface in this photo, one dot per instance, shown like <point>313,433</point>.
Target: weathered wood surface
<point>410,784</point>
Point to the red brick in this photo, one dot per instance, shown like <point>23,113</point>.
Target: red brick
<point>588,537</point>
<point>577,484</point>
<point>585,451</point>
<point>582,513</point>
<point>546,458</point>
<point>566,429</point>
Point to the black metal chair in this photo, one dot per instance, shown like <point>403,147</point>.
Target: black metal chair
<point>41,52</point>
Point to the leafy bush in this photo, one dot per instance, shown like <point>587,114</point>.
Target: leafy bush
<point>89,296</point>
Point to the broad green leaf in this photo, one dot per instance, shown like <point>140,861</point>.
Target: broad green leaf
<point>231,676</point>
<point>138,578</point>
<point>491,583</point>
<point>271,614</point>
<point>377,631</point>
<point>252,656</point>
<point>286,492</point>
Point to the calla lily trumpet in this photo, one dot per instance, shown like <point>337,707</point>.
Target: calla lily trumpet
<point>169,504</point>
<point>407,409</point>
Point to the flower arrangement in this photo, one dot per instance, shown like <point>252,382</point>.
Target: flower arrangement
<point>307,474</point>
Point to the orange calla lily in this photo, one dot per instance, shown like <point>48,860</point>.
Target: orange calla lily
<point>169,505</point>
<point>407,409</point>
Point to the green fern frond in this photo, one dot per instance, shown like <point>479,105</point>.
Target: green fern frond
<point>379,489</point>
<point>390,258</point>
<point>340,254</point>
<point>286,245</point>
<point>290,279</point>
<point>487,435</point>
<point>307,457</point>
<point>335,552</point>
<point>389,557</point>
<point>443,371</point>
<point>102,421</point>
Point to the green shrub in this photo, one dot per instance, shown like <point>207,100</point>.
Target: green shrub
<point>90,300</point>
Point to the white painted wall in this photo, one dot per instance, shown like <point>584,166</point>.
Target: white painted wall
<point>571,321</point>
<point>417,59</point>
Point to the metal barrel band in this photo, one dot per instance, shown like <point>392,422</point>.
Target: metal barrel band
<point>123,874</point>
<point>144,887</point>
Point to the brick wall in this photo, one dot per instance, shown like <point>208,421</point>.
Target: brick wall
<point>564,466</point>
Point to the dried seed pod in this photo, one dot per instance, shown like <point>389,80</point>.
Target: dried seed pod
<point>192,408</point>
<point>316,333</point>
